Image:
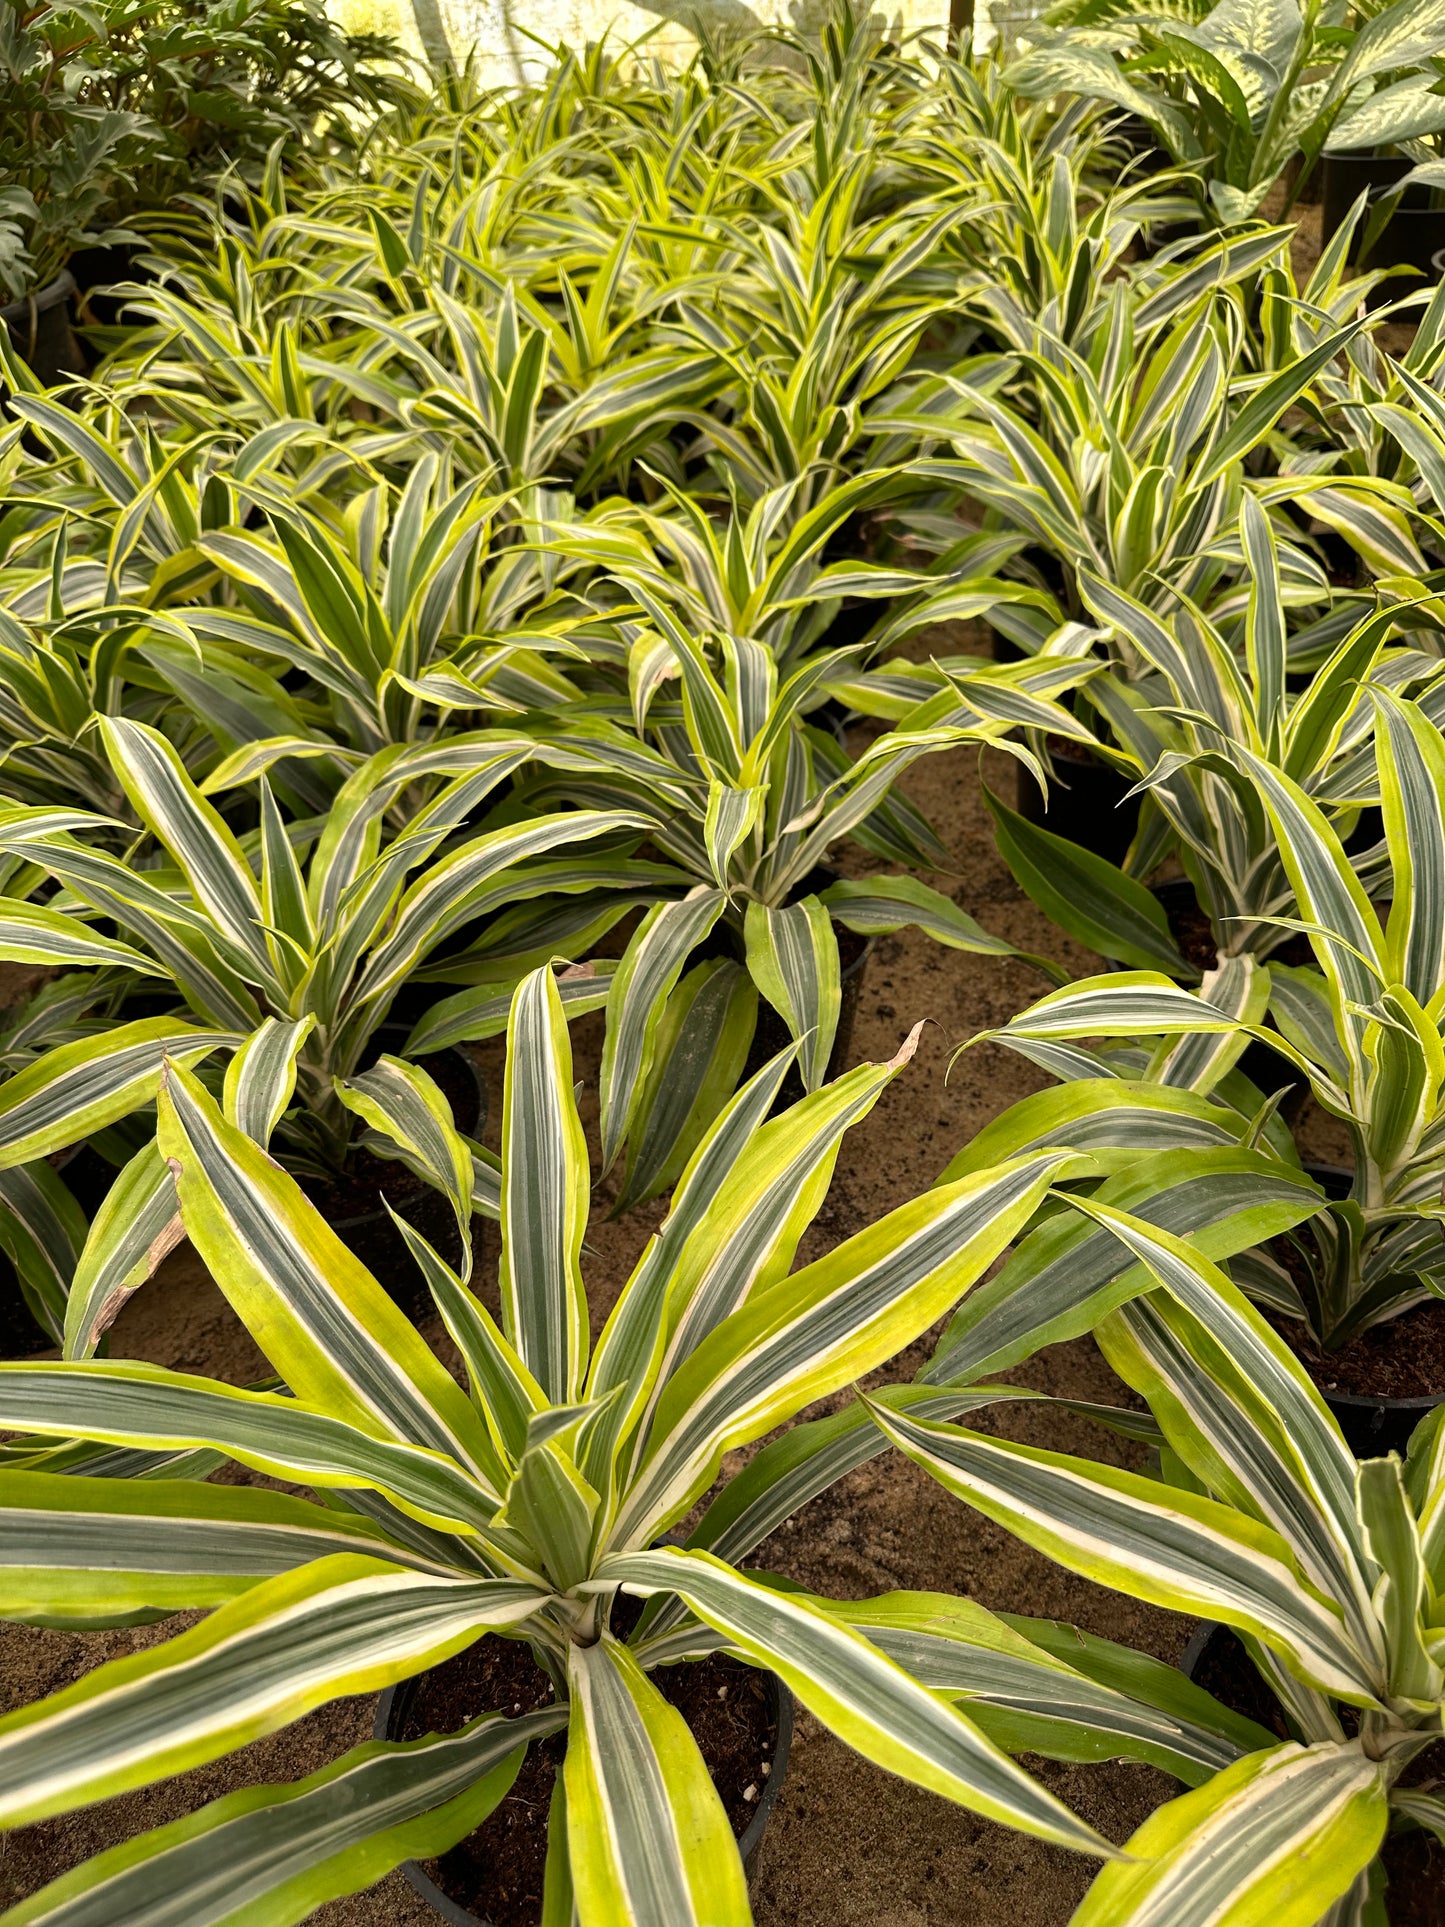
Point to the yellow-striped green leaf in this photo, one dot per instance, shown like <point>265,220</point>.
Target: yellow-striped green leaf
<point>34,933</point>
<point>1277,1837</point>
<point>407,1111</point>
<point>854,1689</point>
<point>78,1089</point>
<point>270,1856</point>
<point>88,1551</point>
<point>341,1625</point>
<point>645,979</point>
<point>168,803</point>
<point>327,1327</point>
<point>1153,1541</point>
<point>812,1333</point>
<point>261,1076</point>
<point>648,1840</point>
<point>793,960</point>
<point>544,1194</point>
<point>136,1227</point>
<point>132,1405</point>
<point>699,1051</point>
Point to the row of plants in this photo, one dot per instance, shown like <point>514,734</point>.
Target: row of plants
<point>503,562</point>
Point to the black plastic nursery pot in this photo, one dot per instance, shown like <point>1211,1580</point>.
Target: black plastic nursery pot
<point>40,329</point>
<point>1373,1424</point>
<point>1086,801</point>
<point>1415,231</point>
<point>1217,1660</point>
<point>731,1707</point>
<point>87,1177</point>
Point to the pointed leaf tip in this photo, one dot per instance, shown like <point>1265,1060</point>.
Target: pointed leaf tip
<point>907,1049</point>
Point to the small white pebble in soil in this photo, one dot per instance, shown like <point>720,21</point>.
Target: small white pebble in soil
<point>765,1769</point>
<point>750,1793</point>
<point>722,1692</point>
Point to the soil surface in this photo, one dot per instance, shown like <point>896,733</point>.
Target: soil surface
<point>848,1845</point>
<point>1414,1861</point>
<point>1402,1358</point>
<point>498,1871</point>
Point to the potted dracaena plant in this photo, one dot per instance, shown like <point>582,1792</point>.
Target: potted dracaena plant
<point>1196,688</point>
<point>529,1509</point>
<point>1362,1029</point>
<point>745,798</point>
<point>1330,1571</point>
<point>252,952</point>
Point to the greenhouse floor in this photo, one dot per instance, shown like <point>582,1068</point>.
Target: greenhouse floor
<point>849,1846</point>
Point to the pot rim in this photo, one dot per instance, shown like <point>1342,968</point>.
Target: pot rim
<point>392,1706</point>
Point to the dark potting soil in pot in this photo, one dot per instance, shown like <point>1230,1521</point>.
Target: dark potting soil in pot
<point>497,1871</point>
<point>1402,1358</point>
<point>1414,1862</point>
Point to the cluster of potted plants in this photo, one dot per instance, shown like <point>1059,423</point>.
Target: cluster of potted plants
<point>108,112</point>
<point>503,561</point>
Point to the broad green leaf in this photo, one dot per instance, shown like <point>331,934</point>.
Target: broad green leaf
<point>699,1051</point>
<point>137,1226</point>
<point>544,1194</point>
<point>270,1856</point>
<point>169,804</point>
<point>1277,1837</point>
<point>78,1089</point>
<point>1411,761</point>
<point>143,1407</point>
<point>1088,896</point>
<point>1068,1274</point>
<point>403,1105</point>
<point>261,1076</point>
<point>877,905</point>
<point>1242,1414</point>
<point>82,1551</point>
<point>324,1323</point>
<point>856,1691</point>
<point>1129,1003</point>
<point>33,933</point>
<point>645,979</point>
<point>482,1011</point>
<point>812,1333</point>
<point>649,1842</point>
<point>1027,1698</point>
<point>793,960</point>
<point>1402,1594</point>
<point>42,1229</point>
<point>341,1625</point>
<point>1153,1541</point>
<point>1110,1121</point>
